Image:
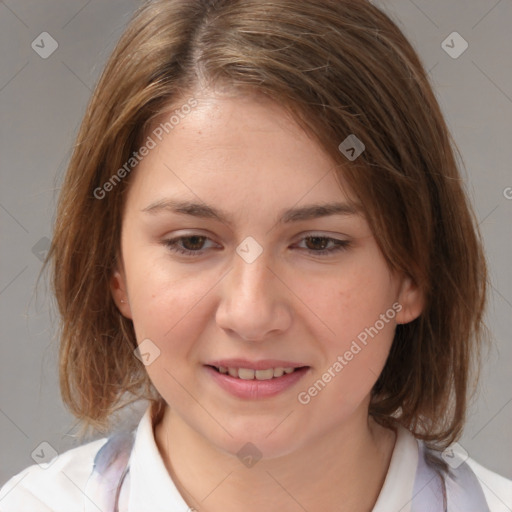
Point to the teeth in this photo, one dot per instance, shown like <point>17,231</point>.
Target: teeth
<point>264,374</point>
<point>250,374</point>
<point>278,372</point>
<point>245,373</point>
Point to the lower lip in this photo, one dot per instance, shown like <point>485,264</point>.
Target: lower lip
<point>256,389</point>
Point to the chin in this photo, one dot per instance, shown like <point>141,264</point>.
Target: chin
<point>259,438</point>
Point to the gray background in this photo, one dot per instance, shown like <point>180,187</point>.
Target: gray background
<point>41,105</point>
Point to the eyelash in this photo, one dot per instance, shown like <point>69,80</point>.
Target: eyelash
<point>340,245</point>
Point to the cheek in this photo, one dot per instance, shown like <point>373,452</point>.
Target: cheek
<point>169,303</point>
<point>356,327</point>
<point>169,307</point>
<point>349,298</point>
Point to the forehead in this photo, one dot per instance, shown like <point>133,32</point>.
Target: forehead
<point>242,147</point>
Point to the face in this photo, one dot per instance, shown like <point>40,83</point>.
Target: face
<point>255,277</point>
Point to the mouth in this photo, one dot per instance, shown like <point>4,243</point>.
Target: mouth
<point>253,374</point>
<point>255,380</point>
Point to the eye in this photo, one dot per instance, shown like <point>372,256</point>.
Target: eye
<point>193,245</point>
<point>320,244</point>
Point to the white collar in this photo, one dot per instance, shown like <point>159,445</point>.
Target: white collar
<point>396,493</point>
<point>151,487</point>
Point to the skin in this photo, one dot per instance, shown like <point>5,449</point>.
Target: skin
<point>245,155</point>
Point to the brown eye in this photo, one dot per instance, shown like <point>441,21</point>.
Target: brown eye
<point>317,242</point>
<point>319,245</point>
<point>191,245</point>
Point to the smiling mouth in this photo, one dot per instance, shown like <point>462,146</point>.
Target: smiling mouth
<point>251,374</point>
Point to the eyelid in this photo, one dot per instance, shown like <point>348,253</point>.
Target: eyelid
<point>322,234</point>
<point>338,244</point>
<point>299,237</point>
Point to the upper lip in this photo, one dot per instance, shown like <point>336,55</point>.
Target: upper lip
<point>262,364</point>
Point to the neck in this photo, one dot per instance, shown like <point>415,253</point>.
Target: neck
<point>342,470</point>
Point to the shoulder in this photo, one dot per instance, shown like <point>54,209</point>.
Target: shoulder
<point>469,486</point>
<point>57,487</point>
<point>497,489</point>
<point>450,478</point>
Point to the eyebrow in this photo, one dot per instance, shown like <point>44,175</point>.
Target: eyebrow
<point>202,210</point>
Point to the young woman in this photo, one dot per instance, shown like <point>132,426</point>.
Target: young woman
<point>263,232</point>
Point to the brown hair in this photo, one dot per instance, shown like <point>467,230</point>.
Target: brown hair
<point>340,67</point>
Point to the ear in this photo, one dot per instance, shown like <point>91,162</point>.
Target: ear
<point>119,292</point>
<point>411,299</point>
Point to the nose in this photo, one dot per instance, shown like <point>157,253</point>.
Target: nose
<point>254,302</point>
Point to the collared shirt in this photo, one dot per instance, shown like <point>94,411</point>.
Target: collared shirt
<point>65,484</point>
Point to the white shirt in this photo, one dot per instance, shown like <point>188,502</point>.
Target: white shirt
<point>61,486</point>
